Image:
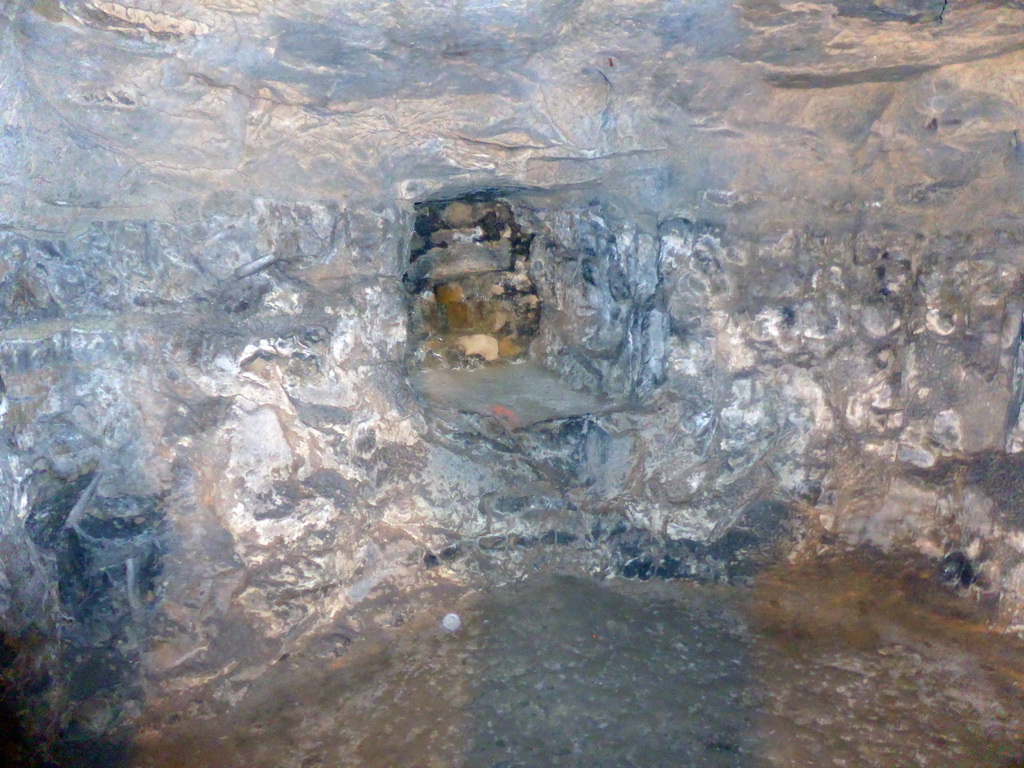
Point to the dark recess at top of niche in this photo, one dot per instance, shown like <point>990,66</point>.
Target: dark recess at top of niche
<point>492,217</point>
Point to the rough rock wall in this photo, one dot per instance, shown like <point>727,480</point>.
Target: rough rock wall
<point>786,238</point>
<point>759,112</point>
<point>600,279</point>
<point>212,478</point>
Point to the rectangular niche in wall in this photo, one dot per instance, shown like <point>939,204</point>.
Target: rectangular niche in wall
<point>472,301</point>
<point>474,311</point>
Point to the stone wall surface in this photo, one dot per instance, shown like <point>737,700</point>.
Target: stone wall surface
<point>780,243</point>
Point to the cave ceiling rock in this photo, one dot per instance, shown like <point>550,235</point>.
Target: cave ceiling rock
<point>729,110</point>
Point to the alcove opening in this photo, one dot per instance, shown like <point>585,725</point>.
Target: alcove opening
<point>472,300</point>
<point>476,309</point>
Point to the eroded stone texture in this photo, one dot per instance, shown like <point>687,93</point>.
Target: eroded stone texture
<point>776,247</point>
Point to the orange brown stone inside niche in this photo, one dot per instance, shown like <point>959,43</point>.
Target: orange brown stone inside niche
<point>473,302</point>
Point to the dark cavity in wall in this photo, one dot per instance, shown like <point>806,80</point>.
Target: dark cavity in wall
<point>106,559</point>
<point>471,299</point>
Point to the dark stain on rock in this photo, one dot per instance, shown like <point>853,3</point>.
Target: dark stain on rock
<point>449,553</point>
<point>430,560</point>
<point>957,570</point>
<point>193,418</point>
<point>560,538</point>
<point>641,568</point>
<point>49,513</point>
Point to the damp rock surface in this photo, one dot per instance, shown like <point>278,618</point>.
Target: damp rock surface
<point>767,256</point>
<point>861,663</point>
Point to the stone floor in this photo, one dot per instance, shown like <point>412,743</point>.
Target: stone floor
<point>852,663</point>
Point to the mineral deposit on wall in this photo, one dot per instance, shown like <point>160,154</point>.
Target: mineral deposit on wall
<point>308,307</point>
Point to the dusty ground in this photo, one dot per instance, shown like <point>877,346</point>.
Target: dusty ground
<point>848,663</point>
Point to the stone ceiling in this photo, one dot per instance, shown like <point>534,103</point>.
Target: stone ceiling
<point>755,113</point>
